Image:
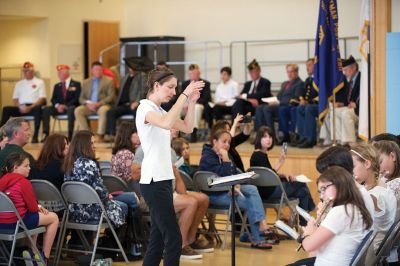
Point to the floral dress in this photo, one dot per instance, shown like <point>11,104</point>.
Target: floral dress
<point>121,163</point>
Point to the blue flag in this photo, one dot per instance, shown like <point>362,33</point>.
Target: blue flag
<point>328,76</point>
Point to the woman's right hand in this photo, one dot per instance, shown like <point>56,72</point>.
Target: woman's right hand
<point>194,87</point>
<point>224,155</point>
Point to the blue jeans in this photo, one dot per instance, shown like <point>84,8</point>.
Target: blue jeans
<point>126,200</point>
<point>251,202</point>
<point>265,115</point>
<point>287,119</point>
<point>300,120</point>
<point>306,121</point>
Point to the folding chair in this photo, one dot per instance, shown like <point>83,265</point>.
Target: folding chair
<point>189,184</point>
<point>268,178</point>
<point>21,231</point>
<point>201,180</point>
<point>127,117</point>
<point>82,193</point>
<point>46,191</point>
<point>58,118</point>
<point>114,183</point>
<point>105,167</point>
<point>361,252</point>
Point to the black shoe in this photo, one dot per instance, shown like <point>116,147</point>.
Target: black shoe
<point>307,144</point>
<point>35,140</point>
<point>285,138</point>
<point>293,137</point>
<point>193,136</point>
<point>301,141</point>
<point>44,138</point>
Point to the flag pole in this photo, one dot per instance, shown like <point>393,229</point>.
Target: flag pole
<point>334,119</point>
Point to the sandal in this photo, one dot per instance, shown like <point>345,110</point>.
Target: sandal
<point>261,245</point>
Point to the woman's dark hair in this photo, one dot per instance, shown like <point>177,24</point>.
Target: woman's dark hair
<point>13,159</point>
<point>53,149</point>
<point>226,69</point>
<point>388,147</point>
<point>260,134</point>
<point>217,134</point>
<point>123,137</point>
<point>81,146</point>
<point>177,145</point>
<point>347,192</point>
<point>160,76</point>
<point>386,136</point>
<point>335,156</point>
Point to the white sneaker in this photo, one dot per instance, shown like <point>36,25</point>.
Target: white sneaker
<point>189,254</point>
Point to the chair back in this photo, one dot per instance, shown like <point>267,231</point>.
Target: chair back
<point>387,242</point>
<point>201,178</point>
<point>189,183</point>
<point>6,204</point>
<point>266,177</point>
<point>104,164</point>
<point>361,252</point>
<point>80,193</point>
<point>46,191</point>
<point>114,183</point>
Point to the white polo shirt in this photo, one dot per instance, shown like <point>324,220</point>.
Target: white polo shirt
<point>29,91</point>
<point>156,145</point>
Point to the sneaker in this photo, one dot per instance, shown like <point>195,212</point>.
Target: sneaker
<point>38,259</point>
<point>202,246</point>
<point>27,258</point>
<point>189,254</point>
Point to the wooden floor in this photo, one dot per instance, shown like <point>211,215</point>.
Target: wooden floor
<point>299,161</point>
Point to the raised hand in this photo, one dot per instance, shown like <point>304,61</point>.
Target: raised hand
<point>194,87</point>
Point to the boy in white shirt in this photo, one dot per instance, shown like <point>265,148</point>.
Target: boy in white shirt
<point>225,94</point>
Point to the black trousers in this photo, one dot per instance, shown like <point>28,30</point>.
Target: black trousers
<point>302,262</point>
<point>221,110</point>
<point>13,111</point>
<point>242,107</point>
<point>114,113</point>
<point>165,234</point>
<point>52,111</point>
<point>208,115</point>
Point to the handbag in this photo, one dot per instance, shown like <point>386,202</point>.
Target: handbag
<point>114,213</point>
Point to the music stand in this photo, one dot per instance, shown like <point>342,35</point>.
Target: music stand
<point>232,181</point>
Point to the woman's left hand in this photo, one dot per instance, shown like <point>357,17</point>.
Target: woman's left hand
<point>43,209</point>
<point>194,96</point>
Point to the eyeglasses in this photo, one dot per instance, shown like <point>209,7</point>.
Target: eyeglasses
<point>323,189</point>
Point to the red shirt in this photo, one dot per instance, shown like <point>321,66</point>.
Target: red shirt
<point>20,191</point>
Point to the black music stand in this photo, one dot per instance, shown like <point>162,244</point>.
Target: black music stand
<point>232,181</point>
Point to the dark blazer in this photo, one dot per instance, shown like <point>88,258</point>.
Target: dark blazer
<point>263,89</point>
<point>308,92</point>
<point>106,90</point>
<point>205,94</point>
<point>73,93</point>
<point>289,96</point>
<point>343,95</point>
<point>137,88</point>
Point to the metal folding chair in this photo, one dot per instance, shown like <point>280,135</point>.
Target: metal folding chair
<point>361,252</point>
<point>189,184</point>
<point>46,191</point>
<point>114,183</point>
<point>82,193</point>
<point>58,118</point>
<point>21,231</point>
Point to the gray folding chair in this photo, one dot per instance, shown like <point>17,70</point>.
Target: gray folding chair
<point>105,167</point>
<point>383,251</point>
<point>268,178</point>
<point>201,180</point>
<point>189,184</point>
<point>361,252</point>
<point>58,118</point>
<point>46,191</point>
<point>114,183</point>
<point>21,231</point>
<point>82,193</point>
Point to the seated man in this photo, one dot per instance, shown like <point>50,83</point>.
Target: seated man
<point>64,100</point>
<point>252,93</point>
<point>96,98</point>
<point>286,110</point>
<point>202,108</point>
<point>307,111</point>
<point>130,93</point>
<point>347,106</point>
<point>29,97</point>
<point>190,206</point>
<point>17,131</point>
<point>225,94</point>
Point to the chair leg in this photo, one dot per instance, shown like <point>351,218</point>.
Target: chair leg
<point>117,240</point>
<point>226,229</point>
<point>212,228</point>
<point>96,240</point>
<point>59,240</point>
<point>53,125</point>
<point>62,238</point>
<point>6,253</point>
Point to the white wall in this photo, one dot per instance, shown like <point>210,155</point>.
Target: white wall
<point>227,21</point>
<point>395,15</point>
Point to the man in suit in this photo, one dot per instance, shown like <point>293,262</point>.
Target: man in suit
<point>64,100</point>
<point>29,97</point>
<point>130,93</point>
<point>252,93</point>
<point>307,111</point>
<point>97,96</point>
<point>202,108</point>
<point>347,105</point>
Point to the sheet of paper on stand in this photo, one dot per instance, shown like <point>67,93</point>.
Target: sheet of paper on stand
<point>303,213</point>
<point>212,181</point>
<point>179,162</point>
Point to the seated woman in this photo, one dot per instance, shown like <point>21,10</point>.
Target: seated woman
<point>81,165</point>
<point>389,160</point>
<point>366,173</point>
<point>15,184</point>
<point>345,225</point>
<point>123,151</point>
<point>215,158</point>
<point>263,143</point>
<point>236,139</point>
